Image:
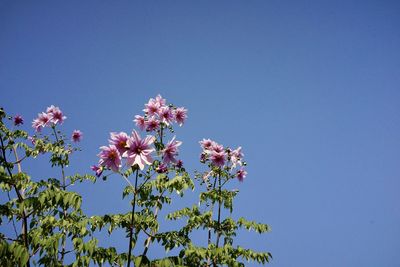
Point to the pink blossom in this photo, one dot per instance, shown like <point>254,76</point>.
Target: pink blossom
<point>110,158</point>
<point>152,124</point>
<point>236,156</point>
<point>41,121</point>
<point>206,144</point>
<point>97,169</point>
<point>241,174</point>
<point>77,136</point>
<point>217,147</point>
<point>166,115</point>
<point>162,168</point>
<point>152,107</point>
<point>180,115</point>
<point>161,101</point>
<point>218,158</point>
<point>119,140</point>
<point>140,122</point>
<point>44,119</point>
<point>37,125</point>
<point>51,109</point>
<point>18,120</point>
<point>55,115</point>
<point>171,151</point>
<point>139,150</point>
<point>237,152</point>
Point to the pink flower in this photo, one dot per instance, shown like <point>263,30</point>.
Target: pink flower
<point>152,107</point>
<point>97,169</point>
<point>51,109</point>
<point>139,150</point>
<point>166,115</point>
<point>217,148</point>
<point>41,121</point>
<point>206,144</point>
<point>77,136</point>
<point>161,101</point>
<point>140,122</point>
<point>152,124</point>
<point>237,152</point>
<point>218,158</point>
<point>44,119</point>
<point>162,168</point>
<point>110,158</point>
<point>119,140</point>
<point>55,115</point>
<point>171,151</point>
<point>37,125</point>
<point>236,156</point>
<point>241,174</point>
<point>180,115</point>
<point>18,120</point>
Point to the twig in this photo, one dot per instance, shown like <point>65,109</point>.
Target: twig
<point>132,221</point>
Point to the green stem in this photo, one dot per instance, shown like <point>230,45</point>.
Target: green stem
<point>219,210</point>
<point>63,186</point>
<point>62,164</point>
<point>132,220</point>
<point>218,217</point>
<point>150,238</point>
<point>209,228</point>
<point>161,134</point>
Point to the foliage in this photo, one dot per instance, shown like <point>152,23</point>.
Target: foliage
<point>46,217</point>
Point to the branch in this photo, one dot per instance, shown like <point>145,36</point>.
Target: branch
<point>20,198</point>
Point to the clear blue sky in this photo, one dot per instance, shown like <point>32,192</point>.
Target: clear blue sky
<point>309,89</point>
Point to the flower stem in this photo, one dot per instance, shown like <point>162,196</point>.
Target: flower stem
<point>219,211</point>
<point>209,228</point>
<point>218,217</point>
<point>63,187</point>
<point>132,220</point>
<point>150,238</point>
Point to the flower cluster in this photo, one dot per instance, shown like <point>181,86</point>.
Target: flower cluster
<point>158,113</point>
<point>221,157</point>
<point>134,149</point>
<point>139,152</point>
<point>50,118</point>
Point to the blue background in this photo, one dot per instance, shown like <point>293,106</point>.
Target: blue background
<point>309,89</point>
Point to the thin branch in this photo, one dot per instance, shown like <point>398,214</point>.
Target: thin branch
<point>63,186</point>
<point>20,198</point>
<point>219,211</point>
<point>10,239</point>
<point>13,221</point>
<point>18,161</point>
<point>218,216</point>
<point>132,220</point>
<point>209,228</point>
<point>151,237</point>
